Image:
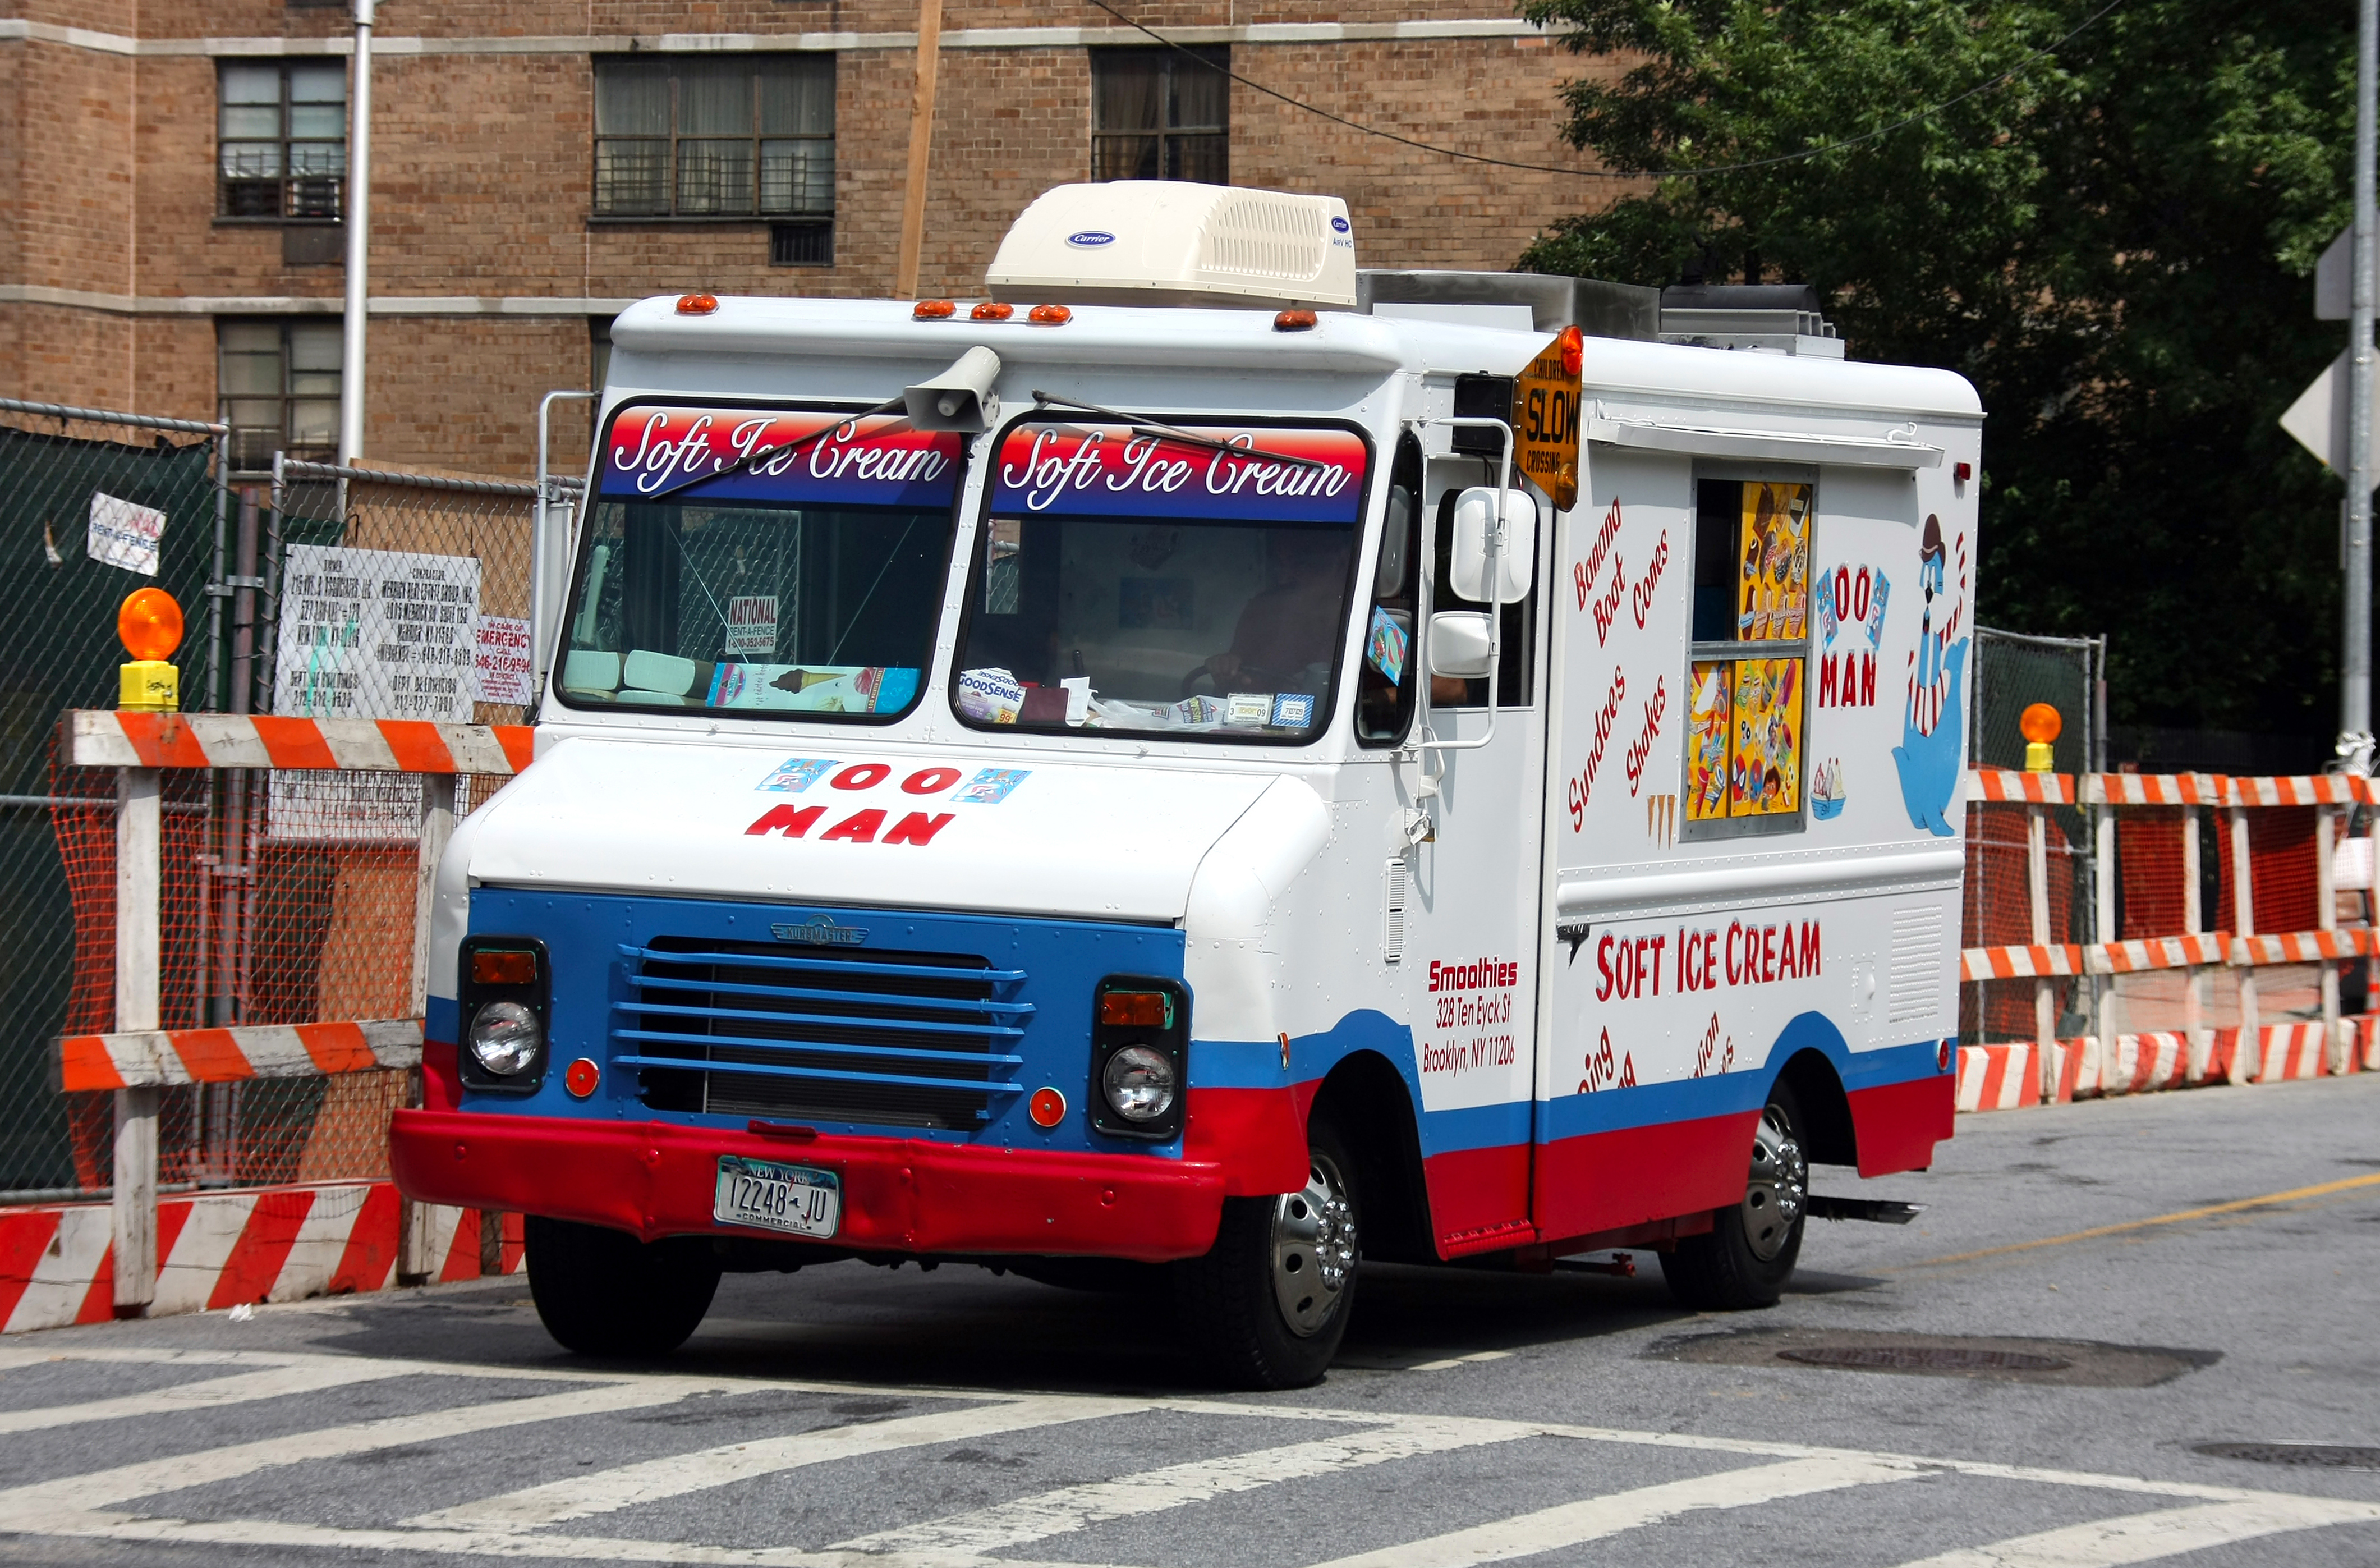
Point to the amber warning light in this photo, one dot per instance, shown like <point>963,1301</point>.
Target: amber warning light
<point>2040,725</point>
<point>149,625</point>
<point>1137,1009</point>
<point>495,967</point>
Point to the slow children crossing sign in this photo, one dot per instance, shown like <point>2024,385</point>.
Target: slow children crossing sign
<point>1546,429</point>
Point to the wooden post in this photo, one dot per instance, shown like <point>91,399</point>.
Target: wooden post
<point>2325,913</point>
<point>415,1261</point>
<point>921,146</point>
<point>2109,1019</point>
<point>139,845</point>
<point>2044,990</point>
<point>2198,1039</point>
<point>2248,1060</point>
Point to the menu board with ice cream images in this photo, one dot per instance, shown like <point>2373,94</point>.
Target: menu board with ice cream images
<point>1774,604</point>
<point>1707,726</point>
<point>1766,768</point>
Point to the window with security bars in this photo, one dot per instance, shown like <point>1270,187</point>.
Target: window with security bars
<point>687,137</point>
<point>1161,114</point>
<point>281,133</point>
<point>278,385</point>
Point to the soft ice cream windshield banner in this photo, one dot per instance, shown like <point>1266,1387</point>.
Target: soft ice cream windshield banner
<point>1072,471</point>
<point>877,461</point>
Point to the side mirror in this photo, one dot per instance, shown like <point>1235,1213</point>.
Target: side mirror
<point>1475,516</point>
<point>1459,644</point>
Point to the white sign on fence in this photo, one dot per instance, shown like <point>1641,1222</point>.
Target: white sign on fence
<point>376,634</point>
<point>126,535</point>
<point>499,668</point>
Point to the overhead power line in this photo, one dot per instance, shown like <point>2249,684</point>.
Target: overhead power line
<point>1990,85</point>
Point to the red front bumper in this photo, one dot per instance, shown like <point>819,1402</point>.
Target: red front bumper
<point>899,1194</point>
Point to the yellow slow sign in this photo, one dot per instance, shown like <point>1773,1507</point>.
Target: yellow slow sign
<point>1548,422</point>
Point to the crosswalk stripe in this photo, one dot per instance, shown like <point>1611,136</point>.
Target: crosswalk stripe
<point>2167,1532</point>
<point>606,1491</point>
<point>1593,1518</point>
<point>239,1388</point>
<point>1044,1515</point>
<point>39,1506</point>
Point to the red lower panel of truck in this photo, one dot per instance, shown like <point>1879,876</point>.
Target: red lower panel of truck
<point>899,1194</point>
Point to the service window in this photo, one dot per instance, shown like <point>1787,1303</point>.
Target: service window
<point>1750,659</point>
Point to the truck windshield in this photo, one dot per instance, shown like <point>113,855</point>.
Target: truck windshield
<point>804,585</point>
<point>1124,581</point>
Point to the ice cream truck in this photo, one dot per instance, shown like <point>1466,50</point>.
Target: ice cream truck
<point>1209,767</point>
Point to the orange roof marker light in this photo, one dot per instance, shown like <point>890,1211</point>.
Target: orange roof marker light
<point>933,310</point>
<point>149,625</point>
<point>1573,344</point>
<point>1050,315</point>
<point>992,310</point>
<point>1294,320</point>
<point>697,304</point>
<point>2040,724</point>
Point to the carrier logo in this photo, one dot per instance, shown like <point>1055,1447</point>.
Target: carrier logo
<point>1339,223</point>
<point>820,931</point>
<point>1090,240</point>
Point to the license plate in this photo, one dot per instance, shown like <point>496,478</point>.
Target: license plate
<point>796,1199</point>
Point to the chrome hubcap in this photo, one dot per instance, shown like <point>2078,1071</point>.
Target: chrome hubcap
<point>1779,1187</point>
<point>1313,1249</point>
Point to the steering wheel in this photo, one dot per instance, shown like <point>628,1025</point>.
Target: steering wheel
<point>1205,670</point>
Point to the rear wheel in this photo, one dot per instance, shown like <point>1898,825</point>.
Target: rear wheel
<point>603,1293</point>
<point>1268,1307</point>
<point>1749,1253</point>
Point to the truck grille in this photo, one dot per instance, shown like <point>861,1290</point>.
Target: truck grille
<point>744,1028</point>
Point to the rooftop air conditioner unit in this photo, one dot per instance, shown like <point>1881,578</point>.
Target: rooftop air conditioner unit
<point>1171,242</point>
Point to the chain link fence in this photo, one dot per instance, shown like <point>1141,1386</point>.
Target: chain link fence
<point>287,897</point>
<point>2012,673</point>
<point>94,504</point>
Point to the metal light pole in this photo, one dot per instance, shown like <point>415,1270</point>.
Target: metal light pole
<point>358,220</point>
<point>2355,672</point>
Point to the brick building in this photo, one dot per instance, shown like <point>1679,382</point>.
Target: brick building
<point>172,175</point>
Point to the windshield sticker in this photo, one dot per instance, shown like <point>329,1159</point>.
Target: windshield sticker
<point>1384,647</point>
<point>1293,710</point>
<point>880,461</point>
<point>1114,471</point>
<point>1248,708</point>
<point>795,774</point>
<point>815,689</point>
<point>991,786</point>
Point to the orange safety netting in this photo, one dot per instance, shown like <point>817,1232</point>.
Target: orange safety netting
<point>2152,873</point>
<point>1998,912</point>
<point>2283,871</point>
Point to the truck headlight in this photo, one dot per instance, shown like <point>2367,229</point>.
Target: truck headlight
<point>506,1037</point>
<point>1139,1084</point>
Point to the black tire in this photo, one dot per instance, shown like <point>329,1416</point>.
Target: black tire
<point>1267,1307</point>
<point>1748,1254</point>
<point>604,1293</point>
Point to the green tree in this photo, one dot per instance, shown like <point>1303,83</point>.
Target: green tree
<point>2114,243</point>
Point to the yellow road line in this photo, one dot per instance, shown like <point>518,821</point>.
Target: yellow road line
<point>2293,1196</point>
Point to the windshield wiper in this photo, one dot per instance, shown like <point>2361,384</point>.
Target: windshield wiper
<point>1139,426</point>
<point>787,450</point>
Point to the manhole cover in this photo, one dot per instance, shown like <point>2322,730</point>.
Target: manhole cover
<point>2320,1455</point>
<point>2060,1363</point>
<point>1922,1358</point>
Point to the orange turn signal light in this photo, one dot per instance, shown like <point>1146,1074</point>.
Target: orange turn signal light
<point>1050,315</point>
<point>1573,345</point>
<point>150,624</point>
<point>992,310</point>
<point>933,310</point>
<point>1294,320</point>
<point>697,304</point>
<point>1135,1009</point>
<point>1048,1106</point>
<point>504,967</point>
<point>2040,722</point>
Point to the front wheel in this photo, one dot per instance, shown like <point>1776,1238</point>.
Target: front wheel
<point>603,1293</point>
<point>1269,1305</point>
<point>1749,1253</point>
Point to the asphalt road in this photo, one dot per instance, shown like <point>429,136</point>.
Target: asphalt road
<point>849,1416</point>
